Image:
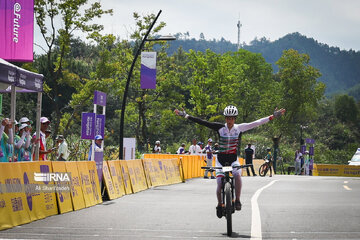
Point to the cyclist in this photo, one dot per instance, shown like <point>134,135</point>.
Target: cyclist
<point>229,137</point>
<point>270,158</point>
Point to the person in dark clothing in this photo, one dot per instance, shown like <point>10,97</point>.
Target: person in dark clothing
<point>249,152</point>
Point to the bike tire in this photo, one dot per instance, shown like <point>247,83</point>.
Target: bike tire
<point>228,208</point>
<point>262,170</point>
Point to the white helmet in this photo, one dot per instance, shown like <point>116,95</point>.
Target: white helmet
<point>230,111</point>
<point>157,142</point>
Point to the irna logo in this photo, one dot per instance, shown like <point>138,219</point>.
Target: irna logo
<point>48,177</point>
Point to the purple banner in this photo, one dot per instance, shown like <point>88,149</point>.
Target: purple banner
<point>17,30</point>
<point>303,149</point>
<point>100,125</point>
<point>100,98</point>
<point>310,141</point>
<point>311,151</point>
<point>88,126</point>
<point>148,70</point>
<point>98,158</point>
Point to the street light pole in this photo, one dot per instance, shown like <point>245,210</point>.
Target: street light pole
<point>123,106</point>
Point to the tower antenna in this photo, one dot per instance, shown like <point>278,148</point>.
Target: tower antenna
<point>239,25</point>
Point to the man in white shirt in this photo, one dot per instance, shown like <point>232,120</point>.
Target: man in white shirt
<point>157,148</point>
<point>298,156</point>
<point>194,149</point>
<point>62,153</point>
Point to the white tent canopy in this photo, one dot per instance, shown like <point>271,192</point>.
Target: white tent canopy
<point>14,79</point>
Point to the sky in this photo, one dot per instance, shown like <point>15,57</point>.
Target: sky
<point>333,22</point>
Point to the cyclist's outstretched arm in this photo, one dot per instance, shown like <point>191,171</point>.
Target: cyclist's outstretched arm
<point>212,125</point>
<point>247,126</point>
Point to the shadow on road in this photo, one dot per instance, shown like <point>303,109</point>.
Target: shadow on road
<point>236,235</point>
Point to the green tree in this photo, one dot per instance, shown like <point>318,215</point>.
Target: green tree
<point>73,18</point>
<point>300,92</point>
<point>346,109</point>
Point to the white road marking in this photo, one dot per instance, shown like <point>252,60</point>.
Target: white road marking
<point>347,188</point>
<point>255,213</point>
<point>346,181</point>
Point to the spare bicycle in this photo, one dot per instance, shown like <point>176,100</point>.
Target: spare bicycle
<point>265,167</point>
<point>227,193</point>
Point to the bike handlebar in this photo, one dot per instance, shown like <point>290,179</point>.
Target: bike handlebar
<point>236,167</point>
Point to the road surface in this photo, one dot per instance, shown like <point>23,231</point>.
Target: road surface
<point>281,207</point>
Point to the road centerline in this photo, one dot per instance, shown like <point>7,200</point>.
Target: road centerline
<point>256,232</point>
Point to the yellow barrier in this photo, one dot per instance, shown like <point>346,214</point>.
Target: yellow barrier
<point>20,204</point>
<point>126,177</point>
<point>137,175</point>
<point>43,199</point>
<point>117,181</point>
<point>108,182</point>
<point>63,197</point>
<point>14,204</point>
<point>77,195</point>
<point>86,185</point>
<point>336,170</point>
<point>94,179</point>
<point>162,171</point>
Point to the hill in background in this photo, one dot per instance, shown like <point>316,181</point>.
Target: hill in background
<point>340,69</point>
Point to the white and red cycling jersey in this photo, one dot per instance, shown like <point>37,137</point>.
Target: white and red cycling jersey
<point>229,138</point>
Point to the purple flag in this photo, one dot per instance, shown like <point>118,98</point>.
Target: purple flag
<point>310,141</point>
<point>88,126</point>
<point>148,70</point>
<point>303,149</point>
<point>100,98</point>
<point>17,30</point>
<point>98,158</point>
<point>100,125</point>
<point>311,151</point>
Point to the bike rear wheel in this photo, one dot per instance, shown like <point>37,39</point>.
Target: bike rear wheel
<point>263,170</point>
<point>228,208</point>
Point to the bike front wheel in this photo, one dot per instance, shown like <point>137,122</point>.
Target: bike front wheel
<point>263,170</point>
<point>228,208</point>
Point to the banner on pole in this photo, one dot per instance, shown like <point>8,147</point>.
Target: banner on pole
<point>148,70</point>
<point>88,126</point>
<point>100,125</point>
<point>17,30</point>
<point>100,98</point>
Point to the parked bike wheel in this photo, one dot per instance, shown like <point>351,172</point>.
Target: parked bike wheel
<point>228,208</point>
<point>263,170</point>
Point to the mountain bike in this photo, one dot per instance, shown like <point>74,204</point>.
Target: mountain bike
<point>265,167</point>
<point>227,193</point>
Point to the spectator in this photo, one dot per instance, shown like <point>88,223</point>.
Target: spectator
<point>216,148</point>
<point>47,133</point>
<point>6,140</point>
<point>201,144</point>
<point>157,148</point>
<point>194,149</point>
<point>98,145</point>
<point>63,152</point>
<point>306,162</point>
<point>22,144</point>
<point>298,156</point>
<point>311,165</point>
<point>42,150</point>
<point>25,120</point>
<point>249,153</point>
<point>181,149</point>
<point>209,158</point>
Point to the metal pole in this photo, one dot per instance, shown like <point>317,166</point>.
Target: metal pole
<point>12,117</point>
<point>123,106</point>
<point>38,116</point>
